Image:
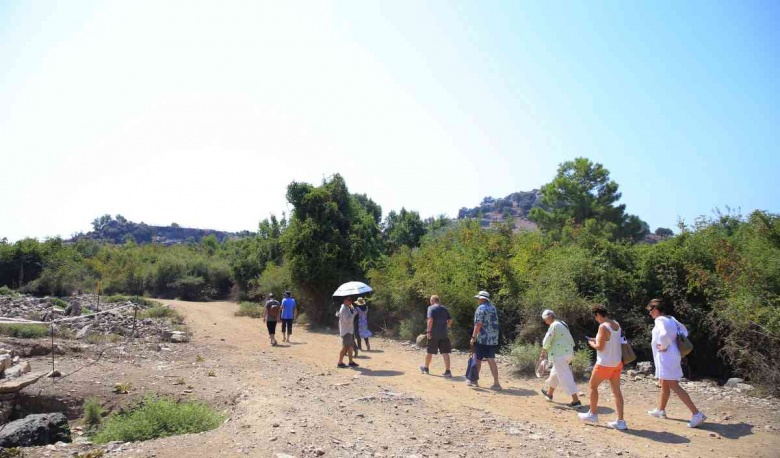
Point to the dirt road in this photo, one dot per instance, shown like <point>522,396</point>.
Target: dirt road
<point>291,400</point>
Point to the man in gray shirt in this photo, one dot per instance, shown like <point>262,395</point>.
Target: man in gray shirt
<point>439,322</point>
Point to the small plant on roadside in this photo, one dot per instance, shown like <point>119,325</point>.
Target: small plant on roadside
<point>523,357</point>
<point>158,417</point>
<point>24,331</point>
<point>97,453</point>
<point>250,309</point>
<point>93,412</point>
<point>581,361</point>
<point>199,359</point>
<point>179,381</point>
<point>211,373</point>
<point>15,452</point>
<point>163,312</point>
<point>57,302</point>
<point>122,387</point>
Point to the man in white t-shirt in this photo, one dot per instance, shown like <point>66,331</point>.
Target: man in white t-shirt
<point>346,316</point>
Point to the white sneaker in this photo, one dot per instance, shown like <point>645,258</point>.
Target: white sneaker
<point>697,419</point>
<point>589,417</point>
<point>618,424</point>
<point>657,413</point>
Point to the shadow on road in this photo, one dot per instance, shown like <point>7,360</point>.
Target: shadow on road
<point>733,431</point>
<point>657,436</point>
<point>380,373</point>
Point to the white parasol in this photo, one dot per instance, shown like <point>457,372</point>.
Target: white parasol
<point>352,288</point>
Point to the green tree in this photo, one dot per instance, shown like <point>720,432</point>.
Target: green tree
<point>583,196</point>
<point>101,221</point>
<point>404,228</point>
<point>664,232</point>
<point>333,237</point>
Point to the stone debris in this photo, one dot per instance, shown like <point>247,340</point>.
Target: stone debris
<point>113,323</point>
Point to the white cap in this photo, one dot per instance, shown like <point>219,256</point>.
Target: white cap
<point>482,295</point>
<point>547,314</point>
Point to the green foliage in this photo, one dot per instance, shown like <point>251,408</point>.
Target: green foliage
<point>142,301</point>
<point>23,331</point>
<point>250,309</point>
<point>158,417</point>
<point>523,357</point>
<point>163,312</point>
<point>403,228</point>
<point>57,302</point>
<point>93,412</point>
<point>6,291</point>
<point>333,237</point>
<point>583,196</point>
<point>582,359</point>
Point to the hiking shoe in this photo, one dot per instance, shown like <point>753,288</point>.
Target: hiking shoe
<point>424,370</point>
<point>547,396</point>
<point>341,366</point>
<point>446,374</point>
<point>574,405</point>
<point>657,413</point>
<point>353,364</point>
<point>620,425</point>
<point>589,417</point>
<point>470,383</point>
<point>496,387</point>
<point>697,419</point>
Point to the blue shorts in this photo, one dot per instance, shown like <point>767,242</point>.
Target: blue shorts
<point>483,352</point>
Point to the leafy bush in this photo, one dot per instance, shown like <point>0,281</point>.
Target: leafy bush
<point>57,302</point>
<point>410,328</point>
<point>523,357</point>
<point>158,417</point>
<point>250,309</point>
<point>582,360</point>
<point>163,312</point>
<point>93,412</point>
<point>6,291</point>
<point>24,331</point>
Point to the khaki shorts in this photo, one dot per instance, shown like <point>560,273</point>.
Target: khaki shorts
<point>348,340</point>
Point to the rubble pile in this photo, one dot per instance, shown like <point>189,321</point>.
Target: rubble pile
<point>117,319</point>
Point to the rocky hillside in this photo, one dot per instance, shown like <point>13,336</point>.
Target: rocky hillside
<point>119,231</point>
<point>516,205</point>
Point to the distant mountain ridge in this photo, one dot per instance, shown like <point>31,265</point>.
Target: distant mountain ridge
<point>516,205</point>
<point>119,231</point>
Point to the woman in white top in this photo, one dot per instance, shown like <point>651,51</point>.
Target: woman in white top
<point>609,365</point>
<point>666,357</point>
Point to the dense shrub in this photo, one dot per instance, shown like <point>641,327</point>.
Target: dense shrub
<point>163,312</point>
<point>24,331</point>
<point>250,309</point>
<point>158,417</point>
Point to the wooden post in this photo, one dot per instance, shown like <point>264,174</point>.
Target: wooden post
<point>135,317</point>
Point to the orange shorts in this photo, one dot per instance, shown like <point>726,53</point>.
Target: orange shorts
<point>607,372</point>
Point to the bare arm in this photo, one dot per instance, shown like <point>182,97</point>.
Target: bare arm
<point>600,341</point>
<point>430,326</point>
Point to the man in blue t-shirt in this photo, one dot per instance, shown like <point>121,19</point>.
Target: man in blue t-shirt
<point>485,337</point>
<point>289,313</point>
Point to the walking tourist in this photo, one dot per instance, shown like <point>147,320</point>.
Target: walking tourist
<point>346,316</point>
<point>362,331</point>
<point>439,322</point>
<point>609,364</point>
<point>271,316</point>
<point>485,337</point>
<point>667,360</point>
<point>289,313</point>
<point>558,347</point>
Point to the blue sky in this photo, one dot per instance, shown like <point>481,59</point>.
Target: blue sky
<point>201,113</point>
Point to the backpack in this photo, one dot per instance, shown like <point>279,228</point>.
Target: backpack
<point>274,311</point>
